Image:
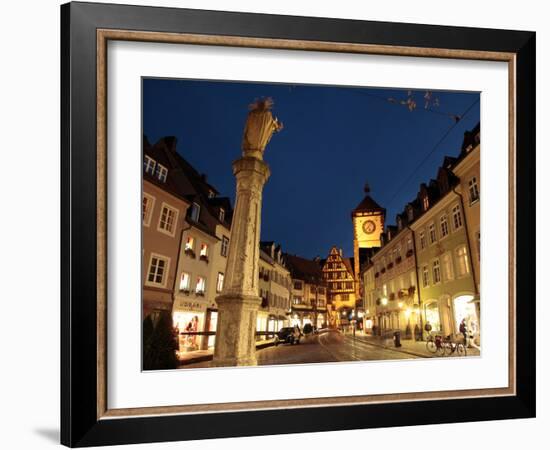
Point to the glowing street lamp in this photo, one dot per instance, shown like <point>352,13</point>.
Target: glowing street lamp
<point>400,304</point>
<point>384,301</point>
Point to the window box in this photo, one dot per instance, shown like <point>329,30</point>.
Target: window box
<point>378,302</point>
<point>190,252</point>
<point>409,253</point>
<point>185,291</point>
<point>412,289</point>
<point>200,293</point>
<point>390,266</point>
<point>376,275</point>
<point>204,258</point>
<point>392,296</point>
<point>383,270</point>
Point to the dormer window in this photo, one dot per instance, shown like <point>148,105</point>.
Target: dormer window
<point>195,212</point>
<point>149,165</point>
<point>425,203</point>
<point>410,214</point>
<point>211,194</point>
<point>222,215</point>
<point>399,224</point>
<point>161,173</point>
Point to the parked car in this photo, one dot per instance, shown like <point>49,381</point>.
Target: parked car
<point>288,335</point>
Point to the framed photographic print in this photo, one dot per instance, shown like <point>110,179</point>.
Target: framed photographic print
<point>276,224</point>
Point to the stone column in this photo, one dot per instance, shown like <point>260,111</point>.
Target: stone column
<point>239,301</point>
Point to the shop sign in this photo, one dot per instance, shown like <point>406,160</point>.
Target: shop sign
<point>192,306</point>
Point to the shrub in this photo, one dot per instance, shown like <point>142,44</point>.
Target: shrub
<point>308,328</point>
<point>159,348</point>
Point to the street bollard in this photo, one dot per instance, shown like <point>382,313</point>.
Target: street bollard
<point>397,338</point>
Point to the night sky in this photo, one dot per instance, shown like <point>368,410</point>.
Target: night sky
<point>335,139</point>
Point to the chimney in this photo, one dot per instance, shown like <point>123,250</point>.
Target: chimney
<point>341,252</point>
<point>171,142</point>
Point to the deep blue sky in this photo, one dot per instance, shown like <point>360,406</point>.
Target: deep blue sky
<point>335,139</point>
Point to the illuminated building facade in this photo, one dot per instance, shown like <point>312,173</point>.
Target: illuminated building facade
<point>339,277</point>
<point>308,292</point>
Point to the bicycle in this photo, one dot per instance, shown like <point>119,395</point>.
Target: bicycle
<point>434,344</point>
<point>451,346</point>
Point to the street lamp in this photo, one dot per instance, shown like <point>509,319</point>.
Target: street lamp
<point>384,301</point>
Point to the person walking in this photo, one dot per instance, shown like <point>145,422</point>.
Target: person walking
<point>463,329</point>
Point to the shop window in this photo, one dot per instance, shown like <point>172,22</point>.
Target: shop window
<point>432,316</point>
<point>464,309</point>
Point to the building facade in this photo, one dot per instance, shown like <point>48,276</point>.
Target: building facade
<point>275,284</point>
<point>467,169</point>
<point>428,268</point>
<point>397,301</point>
<point>370,295</point>
<point>163,212</point>
<point>308,292</point>
<point>339,278</point>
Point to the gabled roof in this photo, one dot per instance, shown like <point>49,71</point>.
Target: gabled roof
<point>348,262</point>
<point>304,269</point>
<point>187,182</point>
<point>368,204</point>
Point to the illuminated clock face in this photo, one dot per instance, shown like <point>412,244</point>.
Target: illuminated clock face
<point>369,226</point>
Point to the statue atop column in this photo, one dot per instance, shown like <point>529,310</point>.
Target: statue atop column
<point>260,126</point>
<point>240,299</point>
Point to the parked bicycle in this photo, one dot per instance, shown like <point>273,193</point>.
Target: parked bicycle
<point>444,346</point>
<point>434,344</point>
<point>450,346</point>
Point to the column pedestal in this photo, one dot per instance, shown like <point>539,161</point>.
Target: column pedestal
<point>239,302</point>
<point>236,339</point>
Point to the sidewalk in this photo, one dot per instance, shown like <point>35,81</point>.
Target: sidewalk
<point>207,355</point>
<point>415,348</point>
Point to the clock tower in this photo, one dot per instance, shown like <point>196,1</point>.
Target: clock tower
<point>368,225</point>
